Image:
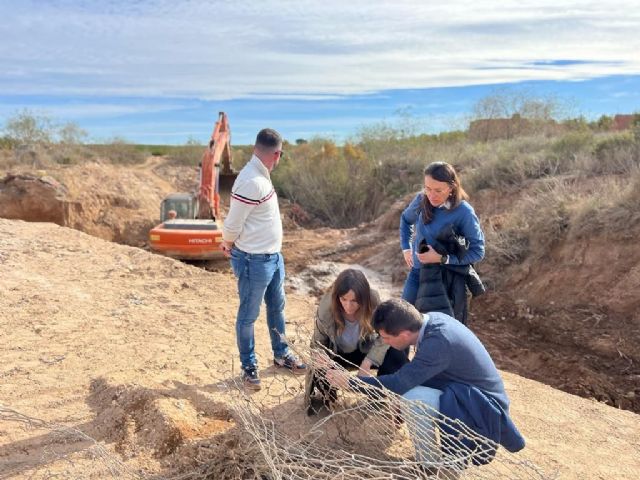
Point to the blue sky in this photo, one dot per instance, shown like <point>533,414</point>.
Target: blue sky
<point>158,71</point>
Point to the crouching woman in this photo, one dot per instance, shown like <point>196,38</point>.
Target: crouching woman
<point>343,326</point>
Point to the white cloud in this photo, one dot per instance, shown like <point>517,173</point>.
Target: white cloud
<point>305,49</point>
<point>90,110</point>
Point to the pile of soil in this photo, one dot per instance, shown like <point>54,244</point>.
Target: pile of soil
<point>115,203</point>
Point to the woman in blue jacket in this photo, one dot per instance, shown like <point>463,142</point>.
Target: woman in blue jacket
<point>442,203</point>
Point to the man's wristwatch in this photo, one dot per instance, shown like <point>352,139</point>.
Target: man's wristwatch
<point>444,259</point>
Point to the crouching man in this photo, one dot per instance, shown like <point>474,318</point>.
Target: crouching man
<point>452,374</point>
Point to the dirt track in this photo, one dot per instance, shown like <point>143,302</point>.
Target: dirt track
<point>130,348</point>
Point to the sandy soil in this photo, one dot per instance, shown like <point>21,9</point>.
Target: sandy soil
<point>133,350</point>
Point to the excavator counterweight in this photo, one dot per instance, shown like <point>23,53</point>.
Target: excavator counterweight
<point>191,226</point>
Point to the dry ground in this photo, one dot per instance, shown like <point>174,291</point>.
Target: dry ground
<point>131,349</point>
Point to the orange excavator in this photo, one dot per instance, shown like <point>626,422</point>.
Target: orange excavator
<point>191,226</point>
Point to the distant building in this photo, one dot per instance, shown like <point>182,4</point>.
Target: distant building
<point>623,122</point>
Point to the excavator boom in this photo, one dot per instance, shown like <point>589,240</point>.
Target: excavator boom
<point>216,161</point>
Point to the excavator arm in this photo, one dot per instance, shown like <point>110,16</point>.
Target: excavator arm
<point>216,163</point>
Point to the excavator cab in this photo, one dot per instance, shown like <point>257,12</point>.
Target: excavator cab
<point>184,204</point>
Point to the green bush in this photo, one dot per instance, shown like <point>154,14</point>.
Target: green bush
<point>7,143</point>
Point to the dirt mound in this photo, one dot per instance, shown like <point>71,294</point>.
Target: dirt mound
<point>136,418</point>
<point>110,202</point>
<point>34,199</point>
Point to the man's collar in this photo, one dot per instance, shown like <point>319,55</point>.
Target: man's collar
<point>260,166</point>
<point>425,320</point>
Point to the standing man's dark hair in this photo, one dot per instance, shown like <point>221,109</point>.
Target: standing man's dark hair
<point>268,148</point>
<point>268,138</point>
<point>252,237</point>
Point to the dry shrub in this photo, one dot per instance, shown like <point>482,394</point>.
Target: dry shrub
<point>508,162</point>
<point>345,186</point>
<point>349,185</point>
<point>35,156</point>
<point>71,154</point>
<point>340,189</point>
<point>505,246</point>
<point>539,220</point>
<point>232,455</point>
<point>513,162</point>
<point>401,160</point>
<point>567,146</point>
<point>189,155</point>
<point>120,152</point>
<point>547,214</point>
<point>557,209</point>
<point>42,156</point>
<point>616,153</point>
<point>615,208</point>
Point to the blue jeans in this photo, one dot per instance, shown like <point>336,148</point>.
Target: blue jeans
<point>421,425</point>
<point>410,290</point>
<point>260,276</point>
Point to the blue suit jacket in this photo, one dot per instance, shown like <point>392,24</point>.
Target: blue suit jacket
<point>482,414</point>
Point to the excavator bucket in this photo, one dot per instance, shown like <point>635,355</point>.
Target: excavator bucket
<point>225,183</point>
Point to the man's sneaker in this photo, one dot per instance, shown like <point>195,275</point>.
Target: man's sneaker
<point>291,362</point>
<point>250,378</point>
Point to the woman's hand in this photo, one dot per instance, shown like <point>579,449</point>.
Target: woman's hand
<point>408,257</point>
<point>338,378</point>
<point>321,359</point>
<point>430,256</point>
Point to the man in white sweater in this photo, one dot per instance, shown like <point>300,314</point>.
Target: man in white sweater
<point>252,238</point>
